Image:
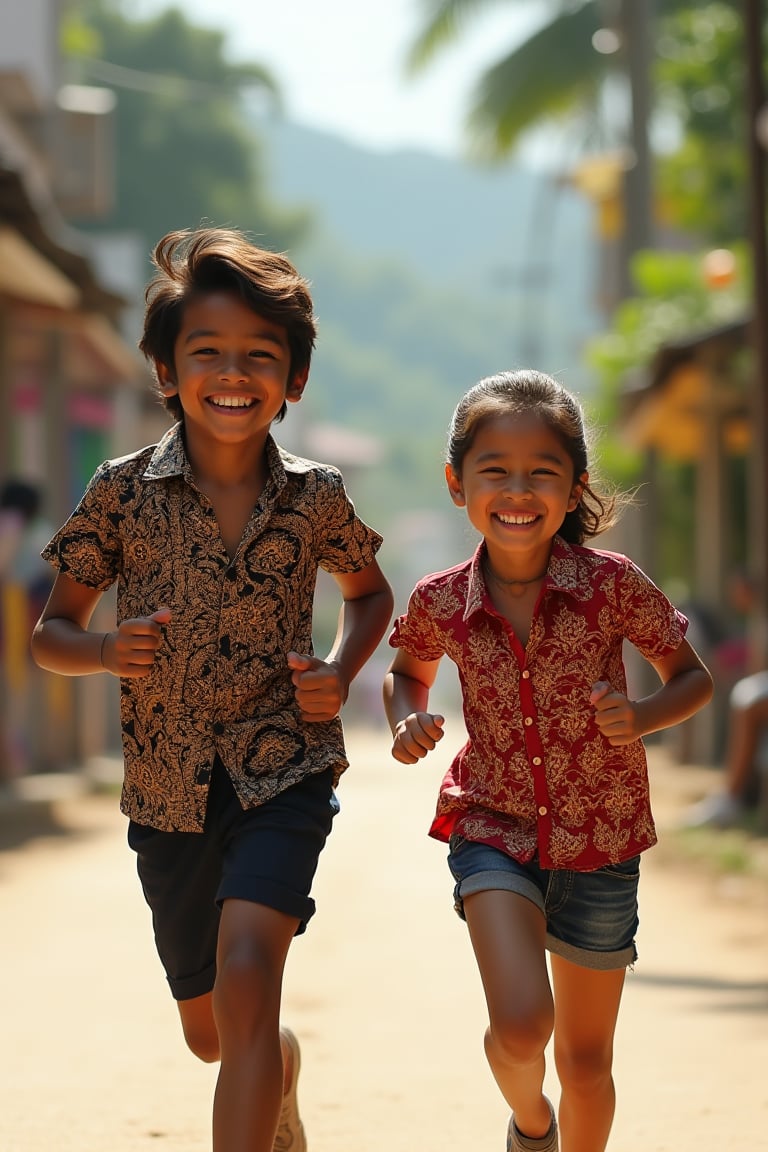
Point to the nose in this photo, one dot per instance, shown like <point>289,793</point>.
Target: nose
<point>234,369</point>
<point>516,485</point>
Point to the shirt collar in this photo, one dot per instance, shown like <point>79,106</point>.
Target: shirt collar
<point>170,459</point>
<point>565,573</point>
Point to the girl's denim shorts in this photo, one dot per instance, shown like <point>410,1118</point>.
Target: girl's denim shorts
<point>591,916</point>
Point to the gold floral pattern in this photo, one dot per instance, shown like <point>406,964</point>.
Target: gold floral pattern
<point>537,777</point>
<point>220,682</point>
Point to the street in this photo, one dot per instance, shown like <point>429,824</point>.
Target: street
<point>382,992</point>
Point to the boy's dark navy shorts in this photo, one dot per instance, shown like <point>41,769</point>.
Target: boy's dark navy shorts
<point>266,854</point>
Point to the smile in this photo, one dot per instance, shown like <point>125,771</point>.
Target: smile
<point>231,401</point>
<point>516,518</point>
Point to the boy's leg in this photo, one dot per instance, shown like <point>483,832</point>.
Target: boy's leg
<point>253,946</point>
<point>586,1006</point>
<point>508,934</point>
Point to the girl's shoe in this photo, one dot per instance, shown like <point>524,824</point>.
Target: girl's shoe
<point>516,1142</point>
<point>290,1131</point>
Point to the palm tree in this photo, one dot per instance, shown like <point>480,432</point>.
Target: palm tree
<point>562,66</point>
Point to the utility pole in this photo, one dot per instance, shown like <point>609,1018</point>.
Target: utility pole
<point>758,488</point>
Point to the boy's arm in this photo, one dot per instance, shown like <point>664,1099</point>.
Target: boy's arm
<point>406,697</point>
<point>686,686</point>
<point>322,686</point>
<point>62,643</point>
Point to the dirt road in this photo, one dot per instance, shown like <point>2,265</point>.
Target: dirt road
<point>382,991</point>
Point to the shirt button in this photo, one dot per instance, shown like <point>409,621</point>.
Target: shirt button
<point>526,674</point>
<point>528,721</point>
<point>542,811</point>
<point>537,760</point>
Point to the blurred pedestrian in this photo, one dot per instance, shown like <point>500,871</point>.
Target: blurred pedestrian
<point>231,731</point>
<point>546,808</point>
<point>746,720</point>
<point>25,581</point>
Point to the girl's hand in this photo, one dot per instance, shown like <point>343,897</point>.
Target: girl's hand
<point>320,687</point>
<point>417,735</point>
<point>615,715</point>
<point>130,650</point>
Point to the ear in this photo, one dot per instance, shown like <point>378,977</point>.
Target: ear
<point>454,487</point>
<point>577,491</point>
<point>296,386</point>
<point>165,379</point>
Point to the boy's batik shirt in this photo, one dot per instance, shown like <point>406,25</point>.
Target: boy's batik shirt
<point>537,777</point>
<point>220,682</point>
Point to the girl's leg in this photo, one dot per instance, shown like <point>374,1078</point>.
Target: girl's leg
<point>253,946</point>
<point>587,1006</point>
<point>507,933</point>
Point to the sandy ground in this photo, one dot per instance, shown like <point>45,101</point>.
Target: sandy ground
<point>382,991</point>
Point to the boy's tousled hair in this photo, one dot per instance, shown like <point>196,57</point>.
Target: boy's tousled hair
<point>527,390</point>
<point>194,262</point>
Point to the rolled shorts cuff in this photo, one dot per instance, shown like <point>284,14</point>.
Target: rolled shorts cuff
<point>262,890</point>
<point>587,958</point>
<point>190,987</point>
<point>493,879</point>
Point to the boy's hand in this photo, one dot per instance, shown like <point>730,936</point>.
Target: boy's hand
<point>615,715</point>
<point>320,687</point>
<point>417,735</point>
<point>130,651</point>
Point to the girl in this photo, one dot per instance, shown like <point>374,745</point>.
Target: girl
<point>546,807</point>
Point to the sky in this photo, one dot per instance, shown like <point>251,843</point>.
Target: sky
<point>340,63</point>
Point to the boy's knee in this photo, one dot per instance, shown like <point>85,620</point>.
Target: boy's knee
<point>200,1031</point>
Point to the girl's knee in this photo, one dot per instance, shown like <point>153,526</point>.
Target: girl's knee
<point>520,1038</point>
<point>586,1070</point>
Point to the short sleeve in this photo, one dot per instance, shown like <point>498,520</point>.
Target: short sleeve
<point>415,631</point>
<point>344,542</point>
<point>87,547</point>
<point>651,622</point>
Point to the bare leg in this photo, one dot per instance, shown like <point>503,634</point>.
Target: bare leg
<point>253,945</point>
<point>587,1006</point>
<point>507,933</point>
<point>745,726</point>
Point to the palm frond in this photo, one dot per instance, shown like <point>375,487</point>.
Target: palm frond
<point>446,20</point>
<point>547,75</point>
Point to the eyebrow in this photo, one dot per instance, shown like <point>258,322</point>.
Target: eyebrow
<point>213,333</point>
<point>548,457</point>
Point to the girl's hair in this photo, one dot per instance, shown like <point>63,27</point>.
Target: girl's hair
<point>190,263</point>
<point>529,391</point>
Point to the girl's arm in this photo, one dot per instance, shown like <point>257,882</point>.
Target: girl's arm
<point>62,643</point>
<point>322,686</point>
<point>406,696</point>
<point>686,686</point>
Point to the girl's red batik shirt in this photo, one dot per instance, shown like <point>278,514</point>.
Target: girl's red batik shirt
<point>536,776</point>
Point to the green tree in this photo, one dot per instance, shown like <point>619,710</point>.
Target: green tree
<point>183,150</point>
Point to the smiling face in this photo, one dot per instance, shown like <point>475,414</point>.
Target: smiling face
<point>231,371</point>
<point>517,484</point>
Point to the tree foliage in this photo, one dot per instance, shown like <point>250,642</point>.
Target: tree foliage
<point>183,149</point>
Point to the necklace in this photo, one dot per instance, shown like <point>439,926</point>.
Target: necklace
<point>500,579</point>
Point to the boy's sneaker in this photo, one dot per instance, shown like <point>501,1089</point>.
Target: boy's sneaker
<point>516,1142</point>
<point>290,1131</point>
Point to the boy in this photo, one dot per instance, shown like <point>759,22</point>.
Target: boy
<point>231,734</point>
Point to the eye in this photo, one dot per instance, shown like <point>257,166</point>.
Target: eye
<point>204,352</point>
<point>261,354</point>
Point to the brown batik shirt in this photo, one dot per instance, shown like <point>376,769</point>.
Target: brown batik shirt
<point>220,683</point>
